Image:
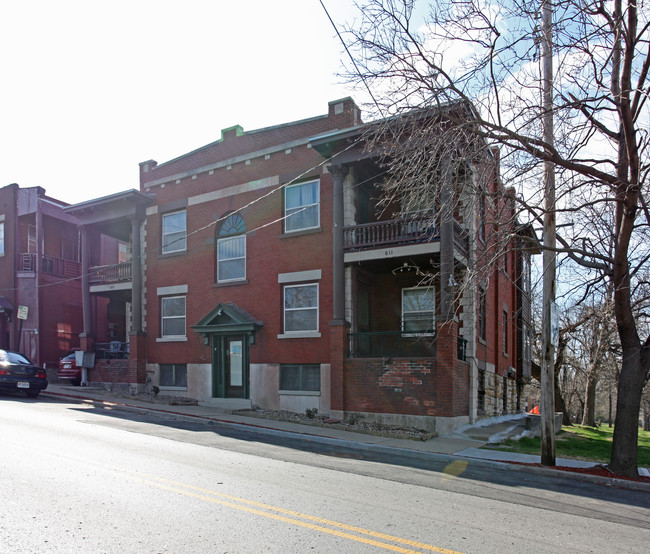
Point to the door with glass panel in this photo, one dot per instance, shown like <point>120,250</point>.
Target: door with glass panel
<point>230,366</point>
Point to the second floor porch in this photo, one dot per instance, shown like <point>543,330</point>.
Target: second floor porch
<point>398,237</point>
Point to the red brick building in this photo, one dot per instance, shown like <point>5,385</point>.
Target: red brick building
<point>39,264</point>
<point>257,271</point>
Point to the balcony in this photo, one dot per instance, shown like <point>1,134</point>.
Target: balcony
<point>49,265</point>
<point>106,274</point>
<point>390,343</point>
<point>382,234</point>
<point>389,233</point>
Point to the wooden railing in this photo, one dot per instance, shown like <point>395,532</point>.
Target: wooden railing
<point>400,231</point>
<point>384,233</point>
<point>49,265</point>
<point>110,273</point>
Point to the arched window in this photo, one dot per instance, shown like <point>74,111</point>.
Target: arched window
<point>231,249</point>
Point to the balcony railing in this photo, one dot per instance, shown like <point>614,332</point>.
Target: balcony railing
<point>49,265</point>
<point>114,350</point>
<point>399,231</point>
<point>384,233</point>
<point>390,343</point>
<point>110,273</point>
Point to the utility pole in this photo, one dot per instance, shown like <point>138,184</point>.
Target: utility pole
<point>548,347</point>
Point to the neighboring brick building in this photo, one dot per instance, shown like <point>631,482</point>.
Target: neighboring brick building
<point>39,261</point>
<point>265,277</point>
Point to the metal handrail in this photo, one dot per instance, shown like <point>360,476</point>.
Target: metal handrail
<point>391,343</point>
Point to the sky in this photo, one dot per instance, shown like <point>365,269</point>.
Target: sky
<point>90,89</point>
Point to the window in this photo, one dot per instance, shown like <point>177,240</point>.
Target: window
<point>525,269</point>
<point>121,252</point>
<point>505,332</point>
<point>482,314</point>
<point>174,232</point>
<point>300,377</point>
<point>300,308</point>
<point>31,239</point>
<point>173,376</point>
<point>302,206</point>
<point>231,250</point>
<point>172,316</point>
<point>2,239</point>
<point>418,314</point>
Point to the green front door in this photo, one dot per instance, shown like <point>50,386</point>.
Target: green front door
<point>230,366</point>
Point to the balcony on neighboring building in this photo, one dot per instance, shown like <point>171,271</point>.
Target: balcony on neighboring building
<point>49,265</point>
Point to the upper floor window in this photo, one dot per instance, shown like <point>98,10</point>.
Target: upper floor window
<point>2,239</point>
<point>418,310</point>
<point>174,232</point>
<point>300,308</point>
<point>302,206</point>
<point>172,309</point>
<point>231,250</point>
<point>525,270</point>
<point>31,239</point>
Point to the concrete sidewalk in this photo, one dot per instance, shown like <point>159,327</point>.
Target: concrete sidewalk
<point>465,442</point>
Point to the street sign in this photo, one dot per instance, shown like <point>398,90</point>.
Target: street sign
<point>22,312</point>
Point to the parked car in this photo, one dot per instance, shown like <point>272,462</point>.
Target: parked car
<point>68,369</point>
<point>18,373</point>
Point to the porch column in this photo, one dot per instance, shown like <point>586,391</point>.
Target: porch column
<point>339,172</point>
<point>446,242</point>
<point>85,284</point>
<point>136,275</point>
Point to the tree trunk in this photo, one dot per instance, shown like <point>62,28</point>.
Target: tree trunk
<point>589,413</point>
<point>560,405</point>
<point>628,405</point>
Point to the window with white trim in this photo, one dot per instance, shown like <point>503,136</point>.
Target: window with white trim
<point>231,250</point>
<point>418,310</point>
<point>300,377</point>
<point>300,308</point>
<point>302,206</point>
<point>173,376</point>
<point>174,232</point>
<point>172,312</point>
<point>2,239</point>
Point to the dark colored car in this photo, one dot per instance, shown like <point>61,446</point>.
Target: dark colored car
<point>18,373</point>
<point>68,369</point>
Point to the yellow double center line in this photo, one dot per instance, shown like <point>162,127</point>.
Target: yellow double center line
<point>291,517</point>
<point>281,514</point>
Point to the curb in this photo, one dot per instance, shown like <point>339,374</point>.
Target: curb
<point>612,482</point>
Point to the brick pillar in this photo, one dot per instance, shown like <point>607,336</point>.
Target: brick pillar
<point>338,352</point>
<point>138,357</point>
<point>446,366</point>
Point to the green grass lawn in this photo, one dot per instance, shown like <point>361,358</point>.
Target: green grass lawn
<point>580,443</point>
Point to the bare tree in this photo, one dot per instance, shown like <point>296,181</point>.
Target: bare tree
<point>483,59</point>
